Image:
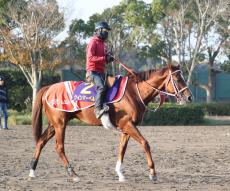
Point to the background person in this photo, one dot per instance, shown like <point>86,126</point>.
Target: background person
<point>3,103</point>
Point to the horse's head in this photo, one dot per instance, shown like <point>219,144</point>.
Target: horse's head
<point>175,84</point>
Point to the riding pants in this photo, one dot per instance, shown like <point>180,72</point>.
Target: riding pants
<point>99,81</point>
<point>3,110</point>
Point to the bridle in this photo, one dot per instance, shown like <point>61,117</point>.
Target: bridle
<point>177,92</point>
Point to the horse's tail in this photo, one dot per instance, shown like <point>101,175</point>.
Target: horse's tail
<point>37,114</point>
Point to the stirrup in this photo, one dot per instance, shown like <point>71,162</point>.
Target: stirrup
<point>99,113</point>
<point>105,108</point>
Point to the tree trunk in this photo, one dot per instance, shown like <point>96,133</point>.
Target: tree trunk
<point>210,83</point>
<point>211,73</point>
<point>194,55</point>
<point>36,85</point>
<point>36,76</point>
<point>209,95</point>
<point>209,87</point>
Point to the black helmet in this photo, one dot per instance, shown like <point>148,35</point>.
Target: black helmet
<point>102,24</point>
<point>2,78</point>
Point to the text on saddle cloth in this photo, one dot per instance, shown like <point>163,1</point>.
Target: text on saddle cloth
<point>87,91</point>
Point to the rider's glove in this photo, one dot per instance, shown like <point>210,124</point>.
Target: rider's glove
<point>109,58</point>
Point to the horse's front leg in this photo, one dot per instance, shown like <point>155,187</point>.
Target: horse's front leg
<point>122,148</point>
<point>131,130</point>
<point>60,138</point>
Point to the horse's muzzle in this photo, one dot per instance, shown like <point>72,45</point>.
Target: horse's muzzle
<point>189,99</point>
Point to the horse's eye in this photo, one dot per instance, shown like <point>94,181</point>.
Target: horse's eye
<point>179,79</point>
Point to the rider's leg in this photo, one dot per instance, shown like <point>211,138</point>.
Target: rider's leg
<point>99,81</point>
<point>5,116</point>
<point>1,115</point>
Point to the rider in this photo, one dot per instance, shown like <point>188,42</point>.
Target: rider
<point>97,57</point>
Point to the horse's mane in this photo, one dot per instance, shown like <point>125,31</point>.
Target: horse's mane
<point>145,75</point>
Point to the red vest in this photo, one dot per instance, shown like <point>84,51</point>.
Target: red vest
<point>96,55</point>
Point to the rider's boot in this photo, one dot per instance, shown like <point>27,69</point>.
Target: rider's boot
<point>100,111</point>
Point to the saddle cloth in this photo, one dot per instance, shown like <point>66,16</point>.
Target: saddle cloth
<point>72,96</point>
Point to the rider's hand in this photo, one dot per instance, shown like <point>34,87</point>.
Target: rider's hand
<point>132,71</point>
<point>133,75</point>
<point>109,58</point>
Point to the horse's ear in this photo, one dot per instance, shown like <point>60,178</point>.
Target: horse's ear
<point>169,66</point>
<point>178,66</point>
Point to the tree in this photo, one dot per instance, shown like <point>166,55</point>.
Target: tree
<point>219,33</point>
<point>186,29</point>
<point>205,14</point>
<point>212,54</point>
<point>27,39</point>
<point>75,43</point>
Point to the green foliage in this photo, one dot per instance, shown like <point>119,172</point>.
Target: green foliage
<point>226,65</point>
<point>137,13</point>
<point>81,28</point>
<point>18,88</point>
<point>220,109</point>
<point>3,4</point>
<point>50,77</point>
<point>157,10</point>
<point>191,114</point>
<point>171,114</point>
<point>19,91</point>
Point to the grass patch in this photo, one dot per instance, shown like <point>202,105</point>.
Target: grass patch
<point>24,118</point>
<point>217,120</point>
<point>18,118</point>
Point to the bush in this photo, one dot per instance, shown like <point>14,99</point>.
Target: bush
<point>171,114</point>
<point>17,85</point>
<point>216,108</point>
<point>19,91</point>
<point>168,114</point>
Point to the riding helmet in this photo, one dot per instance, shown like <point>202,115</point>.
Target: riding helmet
<point>102,24</point>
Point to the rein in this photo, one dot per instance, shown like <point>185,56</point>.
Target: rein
<point>177,92</point>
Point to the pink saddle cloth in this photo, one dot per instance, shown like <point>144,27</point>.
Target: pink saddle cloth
<point>62,96</point>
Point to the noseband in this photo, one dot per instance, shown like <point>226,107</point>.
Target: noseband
<point>177,92</point>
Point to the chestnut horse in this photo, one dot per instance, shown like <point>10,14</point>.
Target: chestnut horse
<point>125,115</point>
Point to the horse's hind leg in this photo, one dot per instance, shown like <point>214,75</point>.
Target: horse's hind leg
<point>60,139</point>
<point>45,137</point>
<point>122,148</point>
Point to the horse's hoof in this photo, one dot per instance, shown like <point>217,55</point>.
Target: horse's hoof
<point>74,179</point>
<point>30,178</point>
<point>153,178</point>
<point>122,179</point>
<point>32,173</point>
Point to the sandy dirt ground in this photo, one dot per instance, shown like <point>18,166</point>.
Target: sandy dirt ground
<point>186,158</point>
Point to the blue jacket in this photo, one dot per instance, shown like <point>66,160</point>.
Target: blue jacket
<point>3,94</point>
